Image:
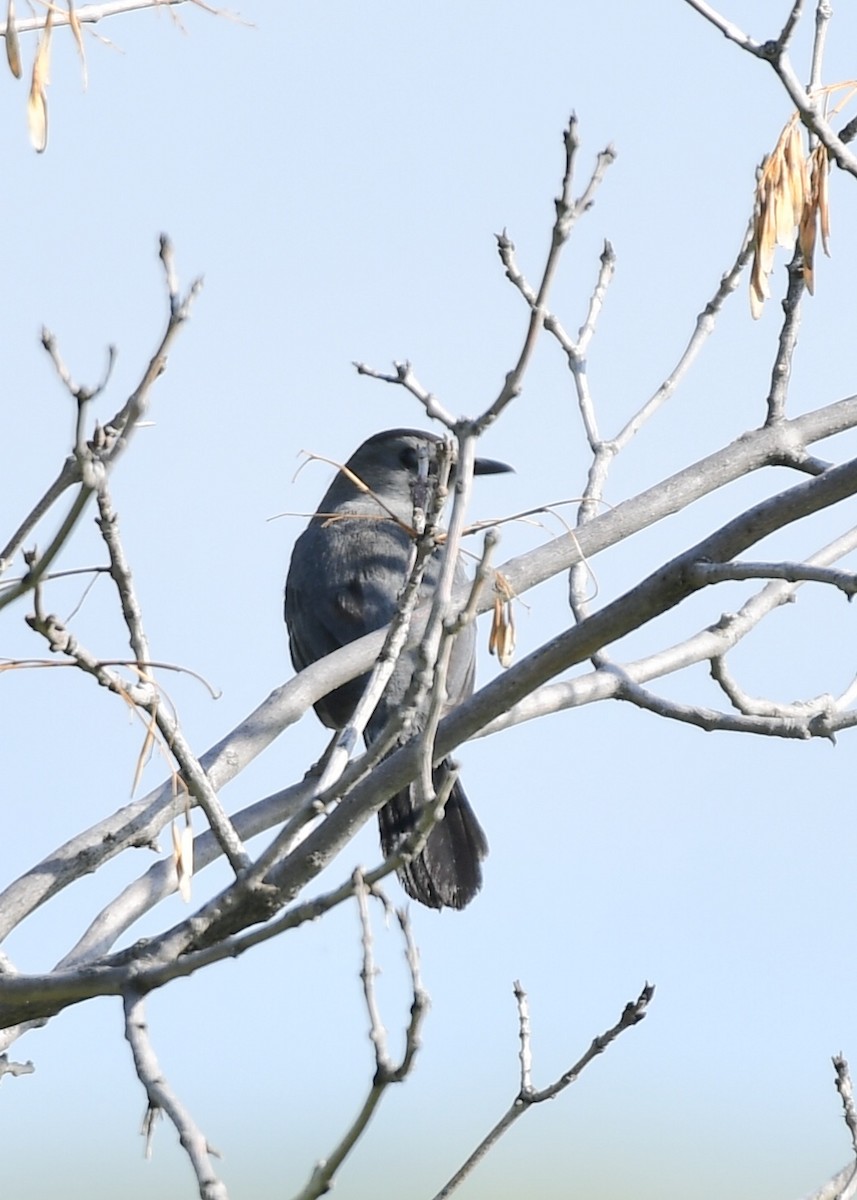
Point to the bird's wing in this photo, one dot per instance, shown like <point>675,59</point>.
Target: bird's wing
<point>330,604</point>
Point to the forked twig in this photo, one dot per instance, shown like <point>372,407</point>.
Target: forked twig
<point>386,1071</point>
<point>162,1098</point>
<point>633,1012</point>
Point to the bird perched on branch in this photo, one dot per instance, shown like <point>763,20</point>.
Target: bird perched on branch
<point>346,575</point>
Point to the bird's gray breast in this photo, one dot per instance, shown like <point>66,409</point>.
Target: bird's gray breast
<point>345,581</point>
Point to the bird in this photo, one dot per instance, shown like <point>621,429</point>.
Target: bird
<point>345,576</point>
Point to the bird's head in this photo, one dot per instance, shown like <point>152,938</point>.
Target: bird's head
<point>392,463</point>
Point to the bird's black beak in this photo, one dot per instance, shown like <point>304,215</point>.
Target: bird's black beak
<point>490,466</point>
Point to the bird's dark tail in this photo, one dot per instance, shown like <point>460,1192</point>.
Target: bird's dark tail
<point>447,872</point>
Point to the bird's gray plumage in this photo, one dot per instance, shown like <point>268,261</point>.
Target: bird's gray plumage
<point>345,577</point>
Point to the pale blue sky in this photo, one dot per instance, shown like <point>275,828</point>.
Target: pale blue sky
<point>338,172</point>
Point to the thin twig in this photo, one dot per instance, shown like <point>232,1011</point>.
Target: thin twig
<point>14,1068</point>
<point>481,577</point>
<point>144,695</point>
<point>774,53</point>
<point>435,647</point>
<point>86,467</point>
<point>846,1094</point>
<point>823,13</point>
<point>68,476</point>
<point>162,1097</point>
<point>386,1071</point>
<point>91,14</point>
<point>120,572</point>
<point>200,787</point>
<point>703,329</point>
<point>787,344</point>
<point>568,212</point>
<point>633,1012</point>
<point>405,377</point>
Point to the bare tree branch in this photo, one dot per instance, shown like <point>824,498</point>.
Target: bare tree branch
<point>405,377</point>
<point>162,1097</point>
<point>611,681</point>
<point>139,823</point>
<point>386,1071</point>
<point>142,694</point>
<point>846,1094</point>
<point>839,1187</point>
<point>568,211</point>
<point>775,53</point>
<point>91,14</point>
<point>14,1068</point>
<point>107,444</point>
<point>792,572</point>
<point>633,1012</point>
<point>314,820</point>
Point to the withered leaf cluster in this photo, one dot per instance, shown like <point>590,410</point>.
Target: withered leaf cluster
<point>501,640</point>
<point>791,195</point>
<point>37,99</point>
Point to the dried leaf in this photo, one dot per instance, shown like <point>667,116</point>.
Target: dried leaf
<point>816,207</point>
<point>42,64</point>
<point>797,174</point>
<point>501,640</point>
<point>37,101</point>
<point>768,239</point>
<point>808,228</point>
<point>821,171</point>
<point>78,37</point>
<point>37,120</point>
<point>780,208</point>
<point>183,858</point>
<point>13,48</point>
<point>791,185</point>
<point>757,304</point>
<point>759,291</point>
<point>146,749</point>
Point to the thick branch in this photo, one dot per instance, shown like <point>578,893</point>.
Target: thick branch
<point>90,14</point>
<point>140,822</point>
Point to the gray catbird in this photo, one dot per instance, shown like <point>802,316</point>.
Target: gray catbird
<point>345,577</point>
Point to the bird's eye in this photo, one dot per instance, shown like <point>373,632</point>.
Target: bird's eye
<point>408,458</point>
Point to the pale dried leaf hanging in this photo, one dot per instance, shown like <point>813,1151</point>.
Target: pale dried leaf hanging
<point>146,749</point>
<point>781,196</point>
<point>797,173</point>
<point>764,238</point>
<point>821,165</point>
<point>501,640</point>
<point>183,858</point>
<point>782,217</point>
<point>37,120</point>
<point>791,193</point>
<point>13,48</point>
<point>816,210</point>
<point>37,101</point>
<point>808,227</point>
<point>78,37</point>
